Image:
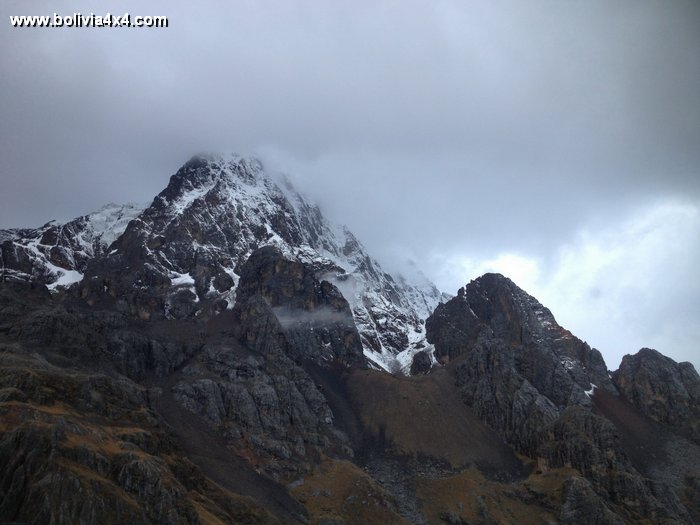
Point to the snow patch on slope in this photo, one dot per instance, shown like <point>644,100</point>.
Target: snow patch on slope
<point>110,221</point>
<point>181,279</point>
<point>66,278</point>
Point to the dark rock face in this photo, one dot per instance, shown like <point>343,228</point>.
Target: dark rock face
<point>259,396</point>
<point>492,307</point>
<point>281,301</point>
<point>264,406</point>
<point>664,390</point>
<point>30,315</point>
<point>518,367</point>
<point>453,328</point>
<point>591,444</point>
<point>421,363</point>
<point>583,505</point>
<point>503,398</point>
<point>141,421</point>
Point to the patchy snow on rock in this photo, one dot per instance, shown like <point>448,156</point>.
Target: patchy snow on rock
<point>589,393</point>
<point>568,363</point>
<point>181,279</point>
<point>218,209</point>
<point>110,221</point>
<point>66,278</point>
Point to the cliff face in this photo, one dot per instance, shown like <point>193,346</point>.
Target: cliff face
<point>666,391</point>
<point>281,299</point>
<point>223,358</point>
<point>267,412</point>
<point>509,348</point>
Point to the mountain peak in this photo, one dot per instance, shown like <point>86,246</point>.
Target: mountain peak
<point>205,172</point>
<point>494,298</point>
<point>493,316</point>
<point>231,164</point>
<point>187,249</point>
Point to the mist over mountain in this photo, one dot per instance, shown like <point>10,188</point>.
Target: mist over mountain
<point>464,137</point>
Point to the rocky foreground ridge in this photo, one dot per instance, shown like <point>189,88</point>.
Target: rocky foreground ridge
<point>225,355</point>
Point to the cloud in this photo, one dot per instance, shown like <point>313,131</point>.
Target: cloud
<point>619,286</point>
<point>319,317</point>
<point>540,98</point>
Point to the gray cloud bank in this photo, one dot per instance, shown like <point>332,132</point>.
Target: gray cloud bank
<point>558,142</point>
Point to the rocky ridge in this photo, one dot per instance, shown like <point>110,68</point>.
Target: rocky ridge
<point>548,393</point>
<point>57,254</point>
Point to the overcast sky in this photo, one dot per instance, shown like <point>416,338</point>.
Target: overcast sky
<point>556,142</point>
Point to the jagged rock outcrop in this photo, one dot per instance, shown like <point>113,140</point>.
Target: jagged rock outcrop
<point>591,444</point>
<point>583,505</point>
<point>421,363</point>
<point>86,449</point>
<point>491,308</point>
<point>519,369</point>
<point>30,315</point>
<point>666,391</point>
<point>257,394</point>
<point>502,397</point>
<point>266,407</point>
<point>532,380</point>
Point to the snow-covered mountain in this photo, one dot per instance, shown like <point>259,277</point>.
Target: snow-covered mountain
<point>183,254</point>
<point>57,253</point>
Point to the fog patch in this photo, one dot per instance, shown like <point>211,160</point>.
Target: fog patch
<point>319,317</point>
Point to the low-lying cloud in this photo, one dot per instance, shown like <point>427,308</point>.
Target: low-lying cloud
<point>318,317</point>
